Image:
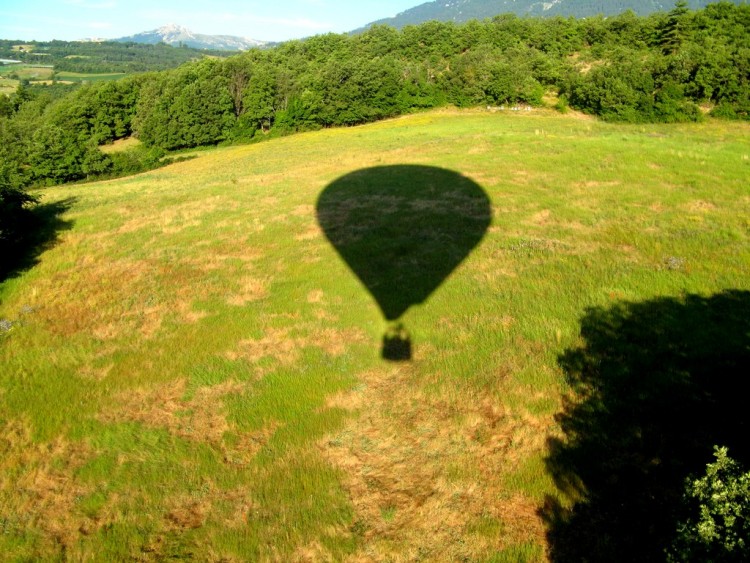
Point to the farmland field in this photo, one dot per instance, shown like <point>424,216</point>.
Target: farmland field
<point>195,361</point>
<point>11,75</point>
<point>88,77</point>
<point>28,72</point>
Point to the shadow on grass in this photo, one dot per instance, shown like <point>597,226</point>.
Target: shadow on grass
<point>36,231</point>
<point>402,230</point>
<point>656,384</point>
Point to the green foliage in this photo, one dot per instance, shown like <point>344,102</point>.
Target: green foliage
<point>135,160</point>
<point>673,32</point>
<point>186,108</point>
<point>718,528</point>
<point>660,68</point>
<point>13,199</point>
<point>13,204</point>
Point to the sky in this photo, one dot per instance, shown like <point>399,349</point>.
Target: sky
<point>266,20</point>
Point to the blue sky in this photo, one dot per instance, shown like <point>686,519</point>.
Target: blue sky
<point>274,20</point>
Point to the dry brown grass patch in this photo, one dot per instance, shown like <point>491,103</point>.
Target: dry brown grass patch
<point>175,218</point>
<point>111,299</point>
<point>250,289</point>
<point>201,418</point>
<point>38,488</point>
<point>592,184</point>
<point>188,515</point>
<point>700,206</point>
<point>542,217</point>
<point>419,468</point>
<point>312,232</point>
<point>285,345</point>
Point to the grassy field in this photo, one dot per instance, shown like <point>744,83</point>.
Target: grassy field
<point>33,73</point>
<point>65,76</point>
<point>191,369</point>
<point>45,75</point>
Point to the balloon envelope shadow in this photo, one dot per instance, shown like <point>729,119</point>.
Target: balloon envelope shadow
<point>402,230</point>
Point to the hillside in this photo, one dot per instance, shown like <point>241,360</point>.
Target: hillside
<point>465,10</point>
<point>191,368</point>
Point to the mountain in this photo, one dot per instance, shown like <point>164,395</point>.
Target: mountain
<point>177,35</point>
<point>464,10</point>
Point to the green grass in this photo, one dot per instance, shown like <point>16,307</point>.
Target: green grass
<point>193,371</point>
<point>66,76</point>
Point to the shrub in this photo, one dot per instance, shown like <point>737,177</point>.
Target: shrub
<point>718,528</point>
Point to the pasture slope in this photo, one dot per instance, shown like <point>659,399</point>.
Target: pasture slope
<point>189,368</point>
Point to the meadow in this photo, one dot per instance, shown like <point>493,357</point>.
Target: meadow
<point>195,361</point>
<point>12,75</point>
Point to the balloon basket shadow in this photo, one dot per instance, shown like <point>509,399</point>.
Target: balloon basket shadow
<point>396,345</point>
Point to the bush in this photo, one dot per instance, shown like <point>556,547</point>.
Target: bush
<point>13,215</point>
<point>718,528</point>
<point>136,160</point>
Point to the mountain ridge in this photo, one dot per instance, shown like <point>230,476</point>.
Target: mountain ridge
<point>176,35</point>
<point>460,11</point>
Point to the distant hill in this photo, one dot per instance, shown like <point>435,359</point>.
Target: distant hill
<point>465,10</point>
<point>176,36</point>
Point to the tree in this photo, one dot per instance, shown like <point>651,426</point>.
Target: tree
<point>238,75</point>
<point>674,30</point>
<point>259,99</point>
<point>13,199</point>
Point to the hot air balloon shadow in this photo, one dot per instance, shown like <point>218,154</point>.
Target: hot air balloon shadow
<point>402,230</point>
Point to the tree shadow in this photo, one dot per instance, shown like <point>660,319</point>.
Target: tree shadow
<point>657,384</point>
<point>402,230</point>
<point>36,231</point>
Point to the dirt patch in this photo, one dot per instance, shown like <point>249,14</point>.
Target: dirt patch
<point>420,468</point>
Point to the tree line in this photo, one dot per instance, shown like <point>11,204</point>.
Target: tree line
<point>663,67</point>
<point>102,57</point>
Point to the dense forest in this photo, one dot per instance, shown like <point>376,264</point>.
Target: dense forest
<point>667,67</point>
